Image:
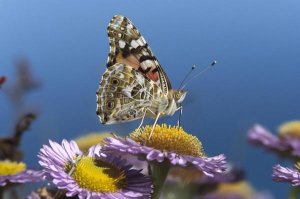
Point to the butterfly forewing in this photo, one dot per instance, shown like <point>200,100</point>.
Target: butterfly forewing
<point>127,46</point>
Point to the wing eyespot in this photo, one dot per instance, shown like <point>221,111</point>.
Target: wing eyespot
<point>143,95</point>
<point>110,105</point>
<point>115,82</point>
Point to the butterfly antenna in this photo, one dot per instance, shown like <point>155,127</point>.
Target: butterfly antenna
<point>187,75</point>
<point>200,73</point>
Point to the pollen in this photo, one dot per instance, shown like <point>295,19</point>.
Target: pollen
<point>98,176</point>
<point>290,129</point>
<point>168,138</point>
<point>11,168</point>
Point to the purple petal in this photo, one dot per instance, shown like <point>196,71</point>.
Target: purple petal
<point>261,136</point>
<point>283,174</point>
<point>208,166</point>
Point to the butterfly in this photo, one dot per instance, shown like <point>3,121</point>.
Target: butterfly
<point>134,85</point>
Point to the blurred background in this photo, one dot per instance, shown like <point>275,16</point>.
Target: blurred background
<point>256,80</point>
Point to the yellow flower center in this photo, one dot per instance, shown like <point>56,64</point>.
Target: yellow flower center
<point>97,176</point>
<point>290,129</point>
<point>170,139</point>
<point>11,168</point>
<point>242,189</point>
<point>85,142</point>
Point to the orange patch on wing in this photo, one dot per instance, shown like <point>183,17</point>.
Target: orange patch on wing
<point>152,76</point>
<point>130,61</point>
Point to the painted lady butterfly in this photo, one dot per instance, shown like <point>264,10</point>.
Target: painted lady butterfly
<point>134,84</point>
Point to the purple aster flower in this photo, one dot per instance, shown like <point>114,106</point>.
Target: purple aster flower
<point>95,175</point>
<point>283,174</point>
<point>261,136</point>
<point>167,143</point>
<point>17,173</point>
<point>282,144</point>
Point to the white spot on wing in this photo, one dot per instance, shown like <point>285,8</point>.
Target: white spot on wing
<point>141,41</point>
<point>119,67</point>
<point>127,91</point>
<point>129,26</point>
<point>121,76</point>
<point>140,79</point>
<point>146,64</point>
<point>122,43</point>
<point>134,44</point>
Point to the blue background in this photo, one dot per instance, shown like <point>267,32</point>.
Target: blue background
<point>257,79</point>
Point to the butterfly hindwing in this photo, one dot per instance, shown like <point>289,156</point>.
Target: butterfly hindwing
<point>124,94</point>
<point>128,47</point>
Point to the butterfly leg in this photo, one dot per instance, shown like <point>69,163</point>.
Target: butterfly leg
<point>154,125</point>
<point>60,193</point>
<point>180,115</point>
<point>142,119</point>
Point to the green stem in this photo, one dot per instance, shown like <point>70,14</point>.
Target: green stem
<point>294,192</point>
<point>159,174</point>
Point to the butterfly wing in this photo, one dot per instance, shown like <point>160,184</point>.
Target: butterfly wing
<point>128,47</point>
<point>124,94</point>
